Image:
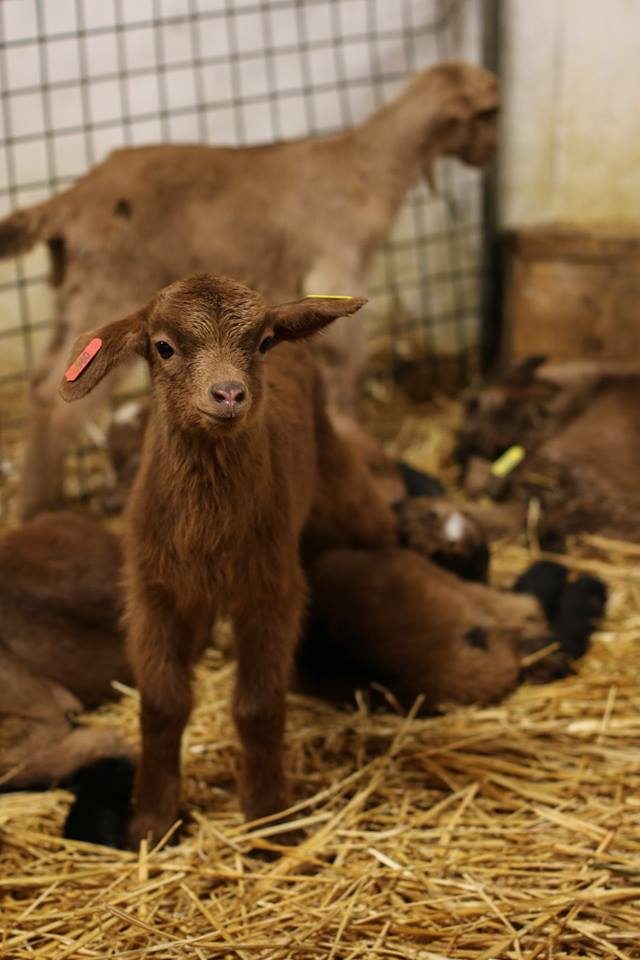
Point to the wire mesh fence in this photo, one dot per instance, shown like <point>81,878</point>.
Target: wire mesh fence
<point>80,78</point>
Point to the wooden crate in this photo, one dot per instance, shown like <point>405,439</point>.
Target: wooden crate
<point>572,294</point>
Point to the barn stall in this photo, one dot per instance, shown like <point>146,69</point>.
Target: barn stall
<point>508,831</point>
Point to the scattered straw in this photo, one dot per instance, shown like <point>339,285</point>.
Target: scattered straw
<point>511,831</point>
<point>506,832</point>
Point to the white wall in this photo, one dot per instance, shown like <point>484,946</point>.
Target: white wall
<point>571,121</point>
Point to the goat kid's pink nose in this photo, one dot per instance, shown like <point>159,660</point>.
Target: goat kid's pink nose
<point>231,393</point>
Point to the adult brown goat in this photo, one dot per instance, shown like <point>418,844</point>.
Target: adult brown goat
<point>287,219</point>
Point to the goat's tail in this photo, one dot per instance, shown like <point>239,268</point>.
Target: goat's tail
<point>21,230</point>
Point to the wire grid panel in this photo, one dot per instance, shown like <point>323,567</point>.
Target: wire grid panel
<point>79,78</point>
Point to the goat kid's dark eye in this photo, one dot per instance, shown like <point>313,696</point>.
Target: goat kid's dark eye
<point>164,349</point>
<point>266,344</point>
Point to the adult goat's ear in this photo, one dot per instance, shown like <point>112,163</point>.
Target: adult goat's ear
<point>302,318</point>
<point>95,354</point>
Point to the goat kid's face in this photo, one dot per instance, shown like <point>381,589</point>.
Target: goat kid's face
<point>206,353</point>
<point>206,340</point>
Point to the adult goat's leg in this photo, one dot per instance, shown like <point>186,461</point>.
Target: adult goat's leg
<point>350,510</point>
<point>54,426</point>
<point>342,350</point>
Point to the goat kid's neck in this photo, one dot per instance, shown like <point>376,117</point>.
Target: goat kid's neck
<point>235,466</point>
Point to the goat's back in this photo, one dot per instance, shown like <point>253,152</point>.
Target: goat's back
<point>60,602</point>
<point>157,213</point>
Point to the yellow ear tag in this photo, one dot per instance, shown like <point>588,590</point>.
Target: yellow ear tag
<point>508,461</point>
<point>327,296</point>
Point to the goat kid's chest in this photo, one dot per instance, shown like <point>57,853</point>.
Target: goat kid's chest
<point>211,556</point>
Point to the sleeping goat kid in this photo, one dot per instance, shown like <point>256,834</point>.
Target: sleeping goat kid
<point>288,219</point>
<point>578,423</point>
<point>239,461</point>
<point>60,649</point>
<point>392,618</point>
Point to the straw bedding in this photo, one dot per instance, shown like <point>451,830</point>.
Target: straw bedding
<point>507,832</point>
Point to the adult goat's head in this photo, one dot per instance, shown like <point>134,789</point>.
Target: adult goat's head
<point>467,102</point>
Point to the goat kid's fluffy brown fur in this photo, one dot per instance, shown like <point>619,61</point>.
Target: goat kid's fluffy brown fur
<point>221,507</point>
<point>287,219</point>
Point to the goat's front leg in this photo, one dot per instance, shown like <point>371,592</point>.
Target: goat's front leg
<point>163,647</point>
<point>267,627</point>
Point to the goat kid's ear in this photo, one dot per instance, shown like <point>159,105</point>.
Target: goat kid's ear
<point>95,354</point>
<point>302,318</point>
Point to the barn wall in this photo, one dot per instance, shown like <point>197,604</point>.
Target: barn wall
<point>571,124</point>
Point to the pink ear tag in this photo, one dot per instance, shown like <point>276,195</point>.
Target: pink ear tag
<point>84,359</point>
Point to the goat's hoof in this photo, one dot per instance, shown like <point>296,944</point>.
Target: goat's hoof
<point>151,828</point>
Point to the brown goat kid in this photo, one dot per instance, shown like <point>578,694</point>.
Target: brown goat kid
<point>392,618</point>
<point>288,219</point>
<point>240,468</point>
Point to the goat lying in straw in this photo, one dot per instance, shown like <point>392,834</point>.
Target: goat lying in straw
<point>242,475</point>
<point>578,426</point>
<point>391,619</point>
<point>60,648</point>
<point>288,219</point>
